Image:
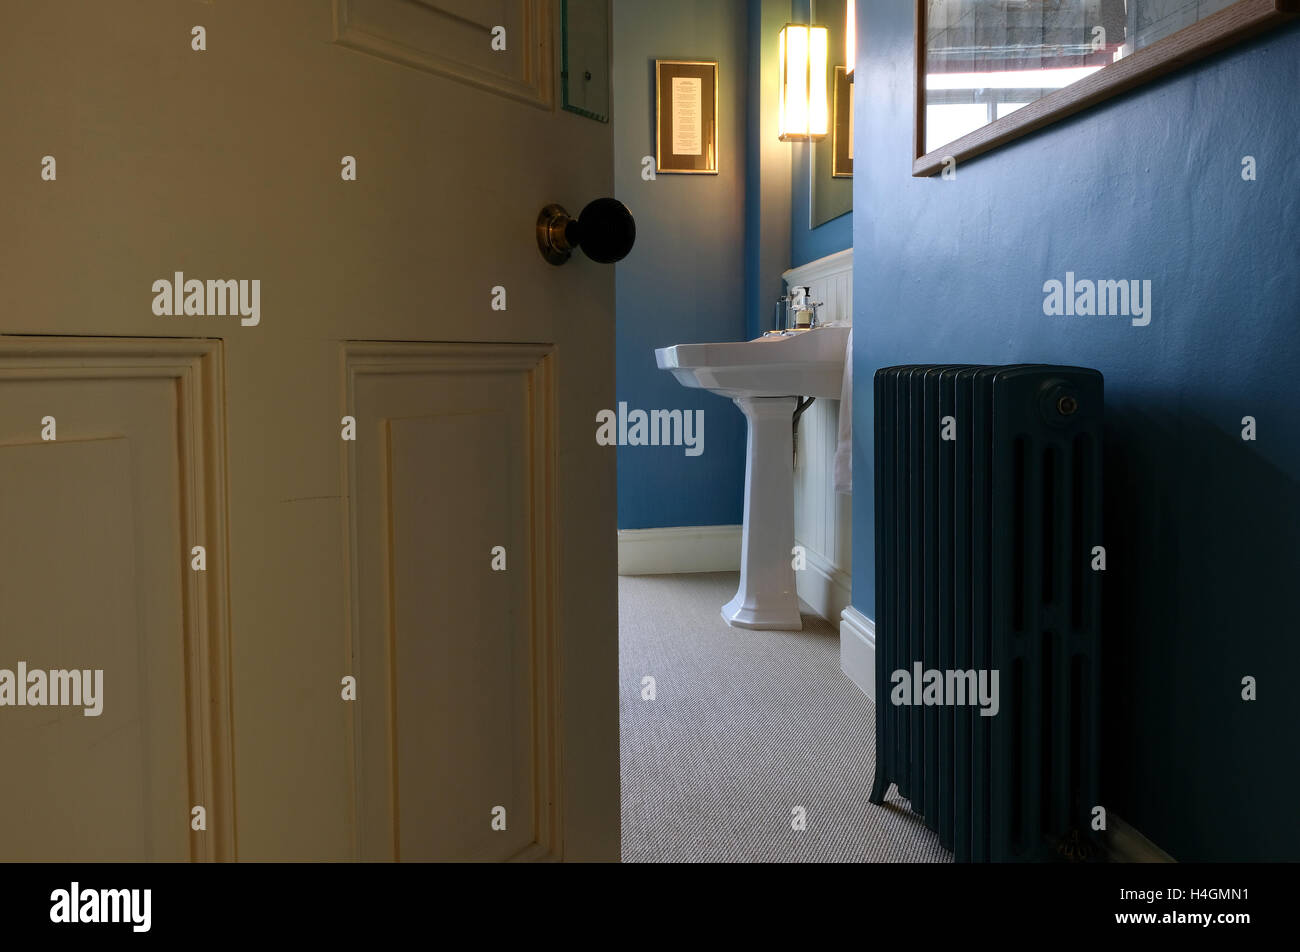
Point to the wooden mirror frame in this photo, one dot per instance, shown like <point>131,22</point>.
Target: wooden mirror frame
<point>1216,32</point>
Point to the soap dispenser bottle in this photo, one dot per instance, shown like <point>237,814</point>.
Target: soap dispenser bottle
<point>806,310</point>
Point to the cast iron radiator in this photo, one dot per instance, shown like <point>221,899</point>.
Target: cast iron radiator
<point>988,507</point>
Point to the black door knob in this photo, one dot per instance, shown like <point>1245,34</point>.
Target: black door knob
<point>605,231</point>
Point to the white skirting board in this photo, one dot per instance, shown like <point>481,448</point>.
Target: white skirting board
<point>858,650</point>
<point>823,586</point>
<point>678,550</point>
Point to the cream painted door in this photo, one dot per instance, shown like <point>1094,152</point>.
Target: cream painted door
<point>195,525</point>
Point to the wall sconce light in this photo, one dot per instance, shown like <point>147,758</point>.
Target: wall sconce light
<point>803,112</point>
<point>850,37</point>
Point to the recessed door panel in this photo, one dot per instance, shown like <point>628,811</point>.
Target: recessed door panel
<point>114,641</point>
<point>450,502</point>
<point>500,45</point>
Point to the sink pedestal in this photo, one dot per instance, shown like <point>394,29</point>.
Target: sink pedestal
<point>767,597</point>
<point>760,376</point>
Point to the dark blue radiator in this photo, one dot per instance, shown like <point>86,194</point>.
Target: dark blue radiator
<point>988,507</point>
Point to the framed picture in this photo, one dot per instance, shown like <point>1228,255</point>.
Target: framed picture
<point>686,117</point>
<point>842,126</point>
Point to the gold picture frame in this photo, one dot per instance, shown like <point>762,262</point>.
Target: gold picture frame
<point>842,126</point>
<point>686,117</point>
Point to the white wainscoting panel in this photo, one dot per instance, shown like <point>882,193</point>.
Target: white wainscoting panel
<point>822,517</point>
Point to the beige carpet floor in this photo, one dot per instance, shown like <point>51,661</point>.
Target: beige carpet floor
<point>746,726</point>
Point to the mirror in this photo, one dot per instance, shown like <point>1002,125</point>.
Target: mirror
<point>832,186</point>
<point>584,71</point>
<point>992,70</point>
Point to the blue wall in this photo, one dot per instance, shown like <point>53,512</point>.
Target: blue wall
<point>809,244</point>
<point>1202,529</point>
<point>685,279</point>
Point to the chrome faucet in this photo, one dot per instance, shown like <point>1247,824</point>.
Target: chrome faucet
<point>801,303</point>
<point>788,308</point>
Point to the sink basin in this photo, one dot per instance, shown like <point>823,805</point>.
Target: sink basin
<point>765,378</point>
<point>803,364</point>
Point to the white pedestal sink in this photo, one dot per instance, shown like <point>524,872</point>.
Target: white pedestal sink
<point>765,378</point>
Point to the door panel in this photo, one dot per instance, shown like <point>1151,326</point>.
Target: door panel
<point>226,164</point>
<point>451,476</point>
<point>96,527</point>
<point>453,37</point>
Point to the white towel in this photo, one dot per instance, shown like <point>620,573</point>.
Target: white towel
<point>844,449</point>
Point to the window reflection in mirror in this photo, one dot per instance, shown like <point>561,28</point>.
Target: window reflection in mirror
<point>987,58</point>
